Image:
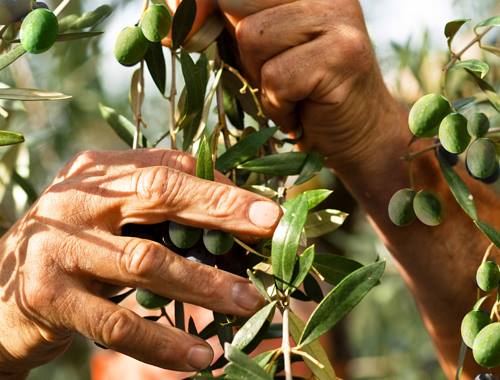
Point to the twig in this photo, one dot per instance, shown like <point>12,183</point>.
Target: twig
<point>138,116</point>
<point>61,7</point>
<point>285,347</point>
<point>411,155</point>
<point>173,93</point>
<point>456,57</point>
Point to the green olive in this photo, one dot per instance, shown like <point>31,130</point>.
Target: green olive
<point>478,125</point>
<point>473,322</point>
<point>486,348</point>
<point>39,31</point>
<point>183,237</point>
<point>401,210</point>
<point>131,46</point>
<point>453,133</point>
<point>488,276</point>
<point>155,23</point>
<point>149,300</point>
<point>428,208</point>
<point>481,158</point>
<point>218,242</point>
<point>426,115</point>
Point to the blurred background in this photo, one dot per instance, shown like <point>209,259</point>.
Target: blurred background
<point>384,337</point>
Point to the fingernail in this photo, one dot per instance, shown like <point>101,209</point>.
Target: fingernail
<point>264,214</point>
<point>246,296</point>
<point>200,357</point>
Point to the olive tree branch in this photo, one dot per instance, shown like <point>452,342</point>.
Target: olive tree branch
<point>171,98</point>
<point>457,56</point>
<point>137,107</point>
<point>285,345</point>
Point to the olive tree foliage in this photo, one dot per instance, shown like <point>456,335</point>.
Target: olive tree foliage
<point>209,114</point>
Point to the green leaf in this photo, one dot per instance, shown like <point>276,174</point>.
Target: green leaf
<point>204,163</point>
<point>30,94</point>
<point>123,127</point>
<point>92,18</point>
<point>492,21</point>
<point>179,315</point>
<point>10,56</point>
<point>155,60</point>
<point>192,327</point>
<point>77,36</point>
<point>479,67</point>
<point>314,198</point>
<point>282,164</point>
<point>10,138</point>
<point>312,165</point>
<point>492,233</point>
<point>312,288</point>
<point>490,92</point>
<point>323,222</point>
<point>451,29</point>
<point>209,331</point>
<point>341,300</point>
<point>258,283</point>
<point>233,110</point>
<point>458,189</point>
<point>244,149</point>
<point>183,22</point>
<point>286,240</point>
<point>305,263</point>
<point>314,349</point>
<point>251,328</point>
<point>335,268</point>
<point>242,367</point>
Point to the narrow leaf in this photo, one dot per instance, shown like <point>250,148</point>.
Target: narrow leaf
<point>312,165</point>
<point>323,222</point>
<point>479,67</point>
<point>123,127</point>
<point>183,22</point>
<point>204,163</point>
<point>334,268</point>
<point>488,89</point>
<point>155,61</point>
<point>341,300</point>
<point>283,164</point>
<point>242,367</point>
<point>312,288</point>
<point>286,240</point>
<point>492,21</point>
<point>452,27</point>
<point>11,56</point>
<point>314,198</point>
<point>492,233</point>
<point>305,262</point>
<point>180,321</point>
<point>251,328</point>
<point>30,94</point>
<point>10,138</point>
<point>458,188</point>
<point>244,149</point>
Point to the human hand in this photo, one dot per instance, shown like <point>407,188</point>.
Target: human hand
<point>61,260</point>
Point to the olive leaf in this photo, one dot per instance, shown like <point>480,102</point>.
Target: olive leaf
<point>77,36</point>
<point>192,327</point>
<point>155,61</point>
<point>251,328</point>
<point>479,67</point>
<point>31,94</point>
<point>10,138</point>
<point>492,233</point>
<point>492,21</point>
<point>11,56</point>
<point>341,300</point>
<point>314,198</point>
<point>244,149</point>
<point>136,94</point>
<point>286,240</point>
<point>204,163</point>
<point>233,110</point>
<point>123,127</point>
<point>183,22</point>
<point>323,222</point>
<point>305,262</point>
<point>312,288</point>
<point>26,186</point>
<point>312,165</point>
<point>242,367</point>
<point>314,349</point>
<point>334,268</point>
<point>452,28</point>
<point>282,164</point>
<point>92,18</point>
<point>487,88</point>
<point>180,322</point>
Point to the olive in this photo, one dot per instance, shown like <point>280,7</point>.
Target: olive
<point>13,10</point>
<point>428,208</point>
<point>492,178</point>
<point>149,300</point>
<point>473,322</point>
<point>478,125</point>
<point>401,210</point>
<point>183,237</point>
<point>481,158</point>
<point>451,158</point>
<point>426,115</point>
<point>39,31</point>
<point>486,348</point>
<point>453,133</point>
<point>488,276</point>
<point>218,242</point>
<point>155,22</point>
<point>131,46</point>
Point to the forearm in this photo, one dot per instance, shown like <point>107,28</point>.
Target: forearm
<point>437,263</point>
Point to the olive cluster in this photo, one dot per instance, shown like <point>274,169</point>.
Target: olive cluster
<point>208,247</point>
<point>133,42</point>
<point>431,116</point>
<point>478,331</point>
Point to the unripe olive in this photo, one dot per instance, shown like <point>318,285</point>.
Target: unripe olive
<point>218,242</point>
<point>427,114</point>
<point>488,276</point>
<point>486,348</point>
<point>478,125</point>
<point>473,322</point>
<point>39,31</point>
<point>149,300</point>
<point>155,23</point>
<point>451,158</point>
<point>131,46</point>
<point>453,133</point>
<point>481,158</point>
<point>401,210</point>
<point>428,208</point>
<point>492,178</point>
<point>183,237</point>
<point>13,10</point>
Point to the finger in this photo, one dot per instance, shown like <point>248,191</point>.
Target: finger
<point>256,34</point>
<point>238,9</point>
<point>156,194</point>
<point>124,331</point>
<point>138,263</point>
